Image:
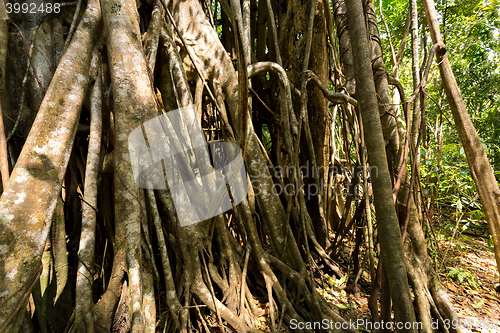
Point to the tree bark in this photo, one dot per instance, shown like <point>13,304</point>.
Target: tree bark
<point>25,214</point>
<point>300,27</point>
<point>134,103</point>
<point>4,38</point>
<point>84,306</point>
<point>415,72</point>
<point>389,234</point>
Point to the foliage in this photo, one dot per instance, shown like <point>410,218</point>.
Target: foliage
<point>473,40</point>
<point>463,275</point>
<point>472,36</point>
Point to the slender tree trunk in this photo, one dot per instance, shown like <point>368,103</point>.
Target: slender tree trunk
<point>84,306</point>
<point>388,225</point>
<point>396,98</point>
<point>4,38</point>
<point>486,184</point>
<point>415,70</point>
<point>393,134</point>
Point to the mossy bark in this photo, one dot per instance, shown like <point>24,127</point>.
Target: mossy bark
<point>388,225</point>
<point>133,103</point>
<point>25,215</point>
<point>4,38</point>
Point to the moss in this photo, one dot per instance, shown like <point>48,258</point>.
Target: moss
<point>135,37</point>
<point>414,262</point>
<point>61,101</point>
<point>115,7</point>
<point>86,25</point>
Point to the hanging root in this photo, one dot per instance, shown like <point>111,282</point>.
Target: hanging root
<point>133,262</point>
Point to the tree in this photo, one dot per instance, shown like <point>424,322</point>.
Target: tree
<point>480,167</point>
<point>422,276</point>
<point>390,235</point>
<point>4,27</point>
<point>85,247</point>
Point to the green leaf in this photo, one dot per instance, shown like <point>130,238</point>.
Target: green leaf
<point>340,281</point>
<point>490,243</point>
<point>477,306</point>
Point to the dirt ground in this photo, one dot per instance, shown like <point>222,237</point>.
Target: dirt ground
<point>468,273</point>
<point>481,306</point>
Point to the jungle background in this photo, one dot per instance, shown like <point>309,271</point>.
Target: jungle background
<point>370,136</point>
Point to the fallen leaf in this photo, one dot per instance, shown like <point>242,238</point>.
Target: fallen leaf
<point>451,286</point>
<point>343,306</point>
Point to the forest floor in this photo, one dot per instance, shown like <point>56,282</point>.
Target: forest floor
<point>468,273</point>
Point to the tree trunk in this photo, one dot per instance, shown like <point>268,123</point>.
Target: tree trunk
<point>4,38</point>
<point>121,257</point>
<point>482,173</point>
<point>390,236</point>
<point>25,214</point>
